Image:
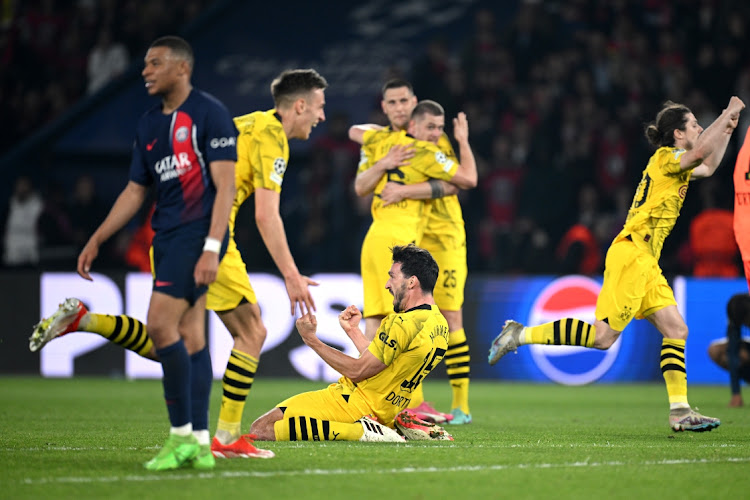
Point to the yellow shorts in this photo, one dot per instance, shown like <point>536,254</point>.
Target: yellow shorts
<point>232,283</point>
<point>335,403</point>
<point>376,261</point>
<point>449,251</point>
<point>634,286</point>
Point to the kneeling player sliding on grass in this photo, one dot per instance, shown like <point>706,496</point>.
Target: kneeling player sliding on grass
<point>634,285</point>
<point>378,385</point>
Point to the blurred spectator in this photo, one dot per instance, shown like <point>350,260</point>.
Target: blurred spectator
<point>561,88</point>
<point>137,252</point>
<point>580,251</point>
<point>57,242</point>
<point>86,211</point>
<point>499,190</point>
<point>713,247</point>
<point>107,60</point>
<point>45,50</point>
<point>20,238</point>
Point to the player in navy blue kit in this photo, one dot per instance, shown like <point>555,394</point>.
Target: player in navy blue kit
<point>186,148</point>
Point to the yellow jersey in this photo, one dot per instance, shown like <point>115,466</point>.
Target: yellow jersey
<point>262,156</point>
<point>657,202</point>
<point>411,344</point>
<point>428,162</point>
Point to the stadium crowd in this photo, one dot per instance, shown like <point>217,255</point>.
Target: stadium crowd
<point>556,96</point>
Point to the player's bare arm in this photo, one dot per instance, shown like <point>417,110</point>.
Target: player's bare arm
<point>357,132</point>
<point>398,156</point>
<point>349,320</point>
<point>126,206</point>
<point>222,174</point>
<point>466,176</point>
<point>709,148</point>
<point>714,159</point>
<point>271,228</point>
<point>394,192</point>
<point>356,369</point>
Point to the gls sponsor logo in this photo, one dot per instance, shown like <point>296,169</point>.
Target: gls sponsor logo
<point>570,297</point>
<point>172,166</point>
<point>223,142</point>
<point>384,337</point>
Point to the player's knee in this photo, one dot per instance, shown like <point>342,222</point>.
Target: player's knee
<point>716,352</point>
<point>679,332</point>
<point>605,335</point>
<point>252,331</point>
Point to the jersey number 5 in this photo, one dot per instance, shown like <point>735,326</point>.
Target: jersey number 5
<point>432,359</point>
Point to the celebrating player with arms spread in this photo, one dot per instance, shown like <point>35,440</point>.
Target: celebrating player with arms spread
<point>634,286</point>
<point>377,386</point>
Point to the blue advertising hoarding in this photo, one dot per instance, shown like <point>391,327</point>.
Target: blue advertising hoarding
<point>489,302</point>
<point>633,358</point>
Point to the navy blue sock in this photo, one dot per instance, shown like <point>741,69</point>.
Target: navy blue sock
<point>175,364</point>
<point>202,377</point>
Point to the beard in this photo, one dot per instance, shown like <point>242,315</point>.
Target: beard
<point>398,299</point>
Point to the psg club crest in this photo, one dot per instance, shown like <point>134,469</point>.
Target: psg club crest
<point>182,134</point>
<point>570,297</point>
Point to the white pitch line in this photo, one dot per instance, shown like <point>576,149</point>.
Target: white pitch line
<point>344,472</point>
<point>413,444</point>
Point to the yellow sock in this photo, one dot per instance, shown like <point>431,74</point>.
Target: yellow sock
<point>122,330</point>
<point>417,397</point>
<point>457,365</point>
<point>236,384</point>
<point>673,371</point>
<point>312,429</point>
<point>566,331</point>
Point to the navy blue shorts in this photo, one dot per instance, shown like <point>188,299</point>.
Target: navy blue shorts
<point>175,253</point>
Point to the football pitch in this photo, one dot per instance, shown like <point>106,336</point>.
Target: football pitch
<point>88,437</point>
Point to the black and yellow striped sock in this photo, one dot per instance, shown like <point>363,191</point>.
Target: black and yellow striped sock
<point>236,384</point>
<point>566,331</point>
<point>457,360</point>
<point>122,330</point>
<point>673,371</point>
<point>312,429</point>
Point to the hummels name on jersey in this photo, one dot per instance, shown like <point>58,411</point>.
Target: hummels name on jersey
<point>172,166</point>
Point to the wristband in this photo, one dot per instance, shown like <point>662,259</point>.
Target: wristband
<point>212,245</point>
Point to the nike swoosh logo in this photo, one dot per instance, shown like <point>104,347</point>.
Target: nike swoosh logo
<point>158,283</point>
<point>149,147</point>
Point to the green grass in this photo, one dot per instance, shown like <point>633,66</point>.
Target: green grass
<point>87,438</point>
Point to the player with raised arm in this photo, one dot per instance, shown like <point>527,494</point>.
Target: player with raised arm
<point>263,153</point>
<point>634,286</point>
<point>444,235</point>
<point>375,387</point>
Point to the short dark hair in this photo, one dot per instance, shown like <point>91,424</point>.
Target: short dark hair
<point>291,83</point>
<point>427,107</point>
<point>417,262</point>
<point>396,83</point>
<point>673,116</point>
<point>179,47</point>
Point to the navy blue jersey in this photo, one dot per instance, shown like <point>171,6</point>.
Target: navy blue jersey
<point>174,151</point>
